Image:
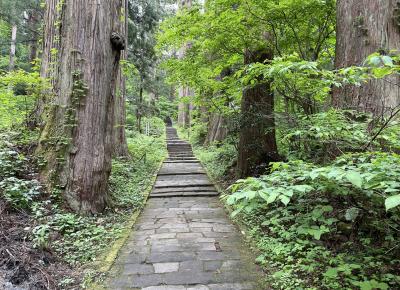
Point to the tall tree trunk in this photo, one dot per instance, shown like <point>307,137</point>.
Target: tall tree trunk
<point>13,46</point>
<point>257,143</point>
<point>184,107</point>
<point>49,60</point>
<point>365,27</point>
<point>77,142</point>
<point>139,109</point>
<point>217,130</point>
<point>120,148</point>
<point>33,20</point>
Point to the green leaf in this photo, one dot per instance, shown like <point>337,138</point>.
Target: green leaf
<point>355,178</point>
<point>284,199</point>
<point>392,201</point>
<point>272,196</point>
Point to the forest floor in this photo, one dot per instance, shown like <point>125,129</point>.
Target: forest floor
<point>184,239</point>
<point>23,264</point>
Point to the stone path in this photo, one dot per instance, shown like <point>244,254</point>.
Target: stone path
<point>183,239</point>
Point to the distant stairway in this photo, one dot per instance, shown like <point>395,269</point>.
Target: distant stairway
<point>181,174</point>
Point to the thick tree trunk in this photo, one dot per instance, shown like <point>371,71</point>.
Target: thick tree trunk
<point>49,60</point>
<point>217,130</point>
<point>13,46</point>
<point>120,148</point>
<point>365,27</point>
<point>77,141</point>
<point>257,143</point>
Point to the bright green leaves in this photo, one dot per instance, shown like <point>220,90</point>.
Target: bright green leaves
<point>355,178</point>
<point>376,177</point>
<point>392,202</point>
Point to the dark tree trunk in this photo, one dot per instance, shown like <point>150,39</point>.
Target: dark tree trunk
<point>365,27</point>
<point>257,143</point>
<point>77,140</point>
<point>33,20</point>
<point>120,148</point>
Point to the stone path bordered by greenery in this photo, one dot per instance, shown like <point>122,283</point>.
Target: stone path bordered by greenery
<point>184,239</point>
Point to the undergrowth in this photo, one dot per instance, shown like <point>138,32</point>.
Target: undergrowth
<point>75,239</point>
<point>319,226</point>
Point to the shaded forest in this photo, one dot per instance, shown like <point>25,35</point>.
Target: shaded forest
<point>292,107</point>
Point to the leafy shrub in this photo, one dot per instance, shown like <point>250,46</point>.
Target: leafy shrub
<point>20,193</point>
<point>218,158</point>
<point>326,135</point>
<point>16,105</point>
<point>326,227</point>
<point>371,176</point>
<point>77,239</point>
<point>11,163</point>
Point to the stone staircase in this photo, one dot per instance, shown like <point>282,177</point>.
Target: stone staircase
<point>181,174</point>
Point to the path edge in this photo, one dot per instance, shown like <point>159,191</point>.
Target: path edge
<point>107,260</point>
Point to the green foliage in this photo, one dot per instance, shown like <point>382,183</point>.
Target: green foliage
<point>323,136</point>
<point>130,178</point>
<point>167,108</point>
<point>218,158</point>
<point>15,188</point>
<point>18,93</point>
<point>20,193</point>
<point>368,176</point>
<point>325,227</point>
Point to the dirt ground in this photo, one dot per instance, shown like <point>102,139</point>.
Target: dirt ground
<point>22,266</point>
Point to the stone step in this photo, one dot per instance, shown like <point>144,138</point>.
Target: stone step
<point>184,189</point>
<point>179,168</point>
<point>188,194</point>
<point>181,158</point>
<point>181,183</point>
<point>182,173</point>
<point>182,161</point>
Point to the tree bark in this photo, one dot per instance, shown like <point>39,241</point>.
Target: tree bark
<point>77,140</point>
<point>13,46</point>
<point>217,130</point>
<point>257,143</point>
<point>184,107</point>
<point>33,20</point>
<point>48,66</point>
<point>120,148</point>
<point>365,27</point>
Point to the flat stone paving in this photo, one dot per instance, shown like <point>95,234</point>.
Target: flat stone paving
<point>184,242</point>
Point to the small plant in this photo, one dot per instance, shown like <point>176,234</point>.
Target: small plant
<point>20,193</point>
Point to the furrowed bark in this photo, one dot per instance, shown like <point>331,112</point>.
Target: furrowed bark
<point>77,140</point>
<point>365,27</point>
<point>120,148</point>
